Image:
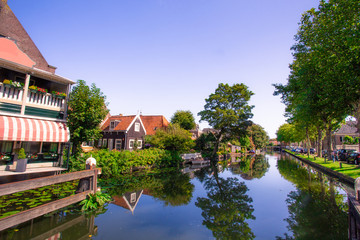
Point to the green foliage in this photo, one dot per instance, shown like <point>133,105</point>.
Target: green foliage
<point>258,135</point>
<point>185,119</point>
<point>95,201</point>
<point>173,138</point>
<point>350,140</point>
<point>228,111</point>
<point>205,143</point>
<point>21,154</point>
<point>87,108</point>
<point>115,163</point>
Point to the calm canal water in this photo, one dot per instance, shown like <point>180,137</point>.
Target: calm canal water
<point>261,197</point>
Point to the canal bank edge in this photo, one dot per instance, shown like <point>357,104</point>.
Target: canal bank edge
<point>330,172</point>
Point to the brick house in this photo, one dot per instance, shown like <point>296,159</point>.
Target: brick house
<point>347,129</point>
<point>33,99</point>
<point>120,132</point>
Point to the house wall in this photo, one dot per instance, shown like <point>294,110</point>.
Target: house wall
<point>132,134</point>
<point>114,135</point>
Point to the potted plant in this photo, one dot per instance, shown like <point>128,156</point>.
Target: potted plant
<point>57,94</point>
<point>7,83</point>
<point>33,89</point>
<point>21,161</point>
<point>42,90</point>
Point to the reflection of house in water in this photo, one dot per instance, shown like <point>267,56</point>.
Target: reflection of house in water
<point>130,199</point>
<point>56,226</point>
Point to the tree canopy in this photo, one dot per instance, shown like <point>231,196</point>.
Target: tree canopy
<point>185,119</point>
<point>258,135</point>
<point>172,138</point>
<point>324,82</point>
<point>227,110</point>
<point>87,109</point>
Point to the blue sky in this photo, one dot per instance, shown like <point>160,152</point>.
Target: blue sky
<point>159,56</point>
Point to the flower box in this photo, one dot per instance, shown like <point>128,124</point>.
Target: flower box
<point>58,96</point>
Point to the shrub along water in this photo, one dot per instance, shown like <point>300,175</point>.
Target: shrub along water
<point>115,163</point>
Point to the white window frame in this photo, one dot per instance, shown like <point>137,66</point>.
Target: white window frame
<point>137,127</point>
<point>111,144</point>
<point>139,144</point>
<point>131,143</point>
<point>99,142</point>
<point>133,197</point>
<point>104,143</point>
<point>118,142</point>
<point>112,125</point>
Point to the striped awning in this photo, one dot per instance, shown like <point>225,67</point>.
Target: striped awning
<point>32,130</point>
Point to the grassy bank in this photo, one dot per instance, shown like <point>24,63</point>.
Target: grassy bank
<point>350,170</point>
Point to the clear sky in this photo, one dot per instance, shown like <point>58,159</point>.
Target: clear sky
<point>159,56</point>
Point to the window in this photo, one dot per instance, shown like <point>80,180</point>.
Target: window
<point>6,147</point>
<point>133,197</point>
<point>137,127</point>
<point>31,147</point>
<point>99,143</point>
<point>49,147</point>
<point>111,146</point>
<point>118,144</point>
<point>104,143</point>
<point>139,142</point>
<point>131,143</point>
<point>112,125</point>
<point>341,139</point>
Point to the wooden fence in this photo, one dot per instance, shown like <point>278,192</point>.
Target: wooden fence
<point>10,188</point>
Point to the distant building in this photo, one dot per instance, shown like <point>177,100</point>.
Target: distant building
<point>347,129</point>
<point>196,132</point>
<point>120,132</point>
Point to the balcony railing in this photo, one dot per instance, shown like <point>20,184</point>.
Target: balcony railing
<point>15,95</point>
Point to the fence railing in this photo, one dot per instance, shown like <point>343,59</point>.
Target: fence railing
<point>36,98</point>
<point>10,188</point>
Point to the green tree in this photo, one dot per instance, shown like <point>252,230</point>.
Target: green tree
<point>226,207</point>
<point>258,135</point>
<point>87,108</point>
<point>172,138</point>
<point>227,110</point>
<point>185,119</point>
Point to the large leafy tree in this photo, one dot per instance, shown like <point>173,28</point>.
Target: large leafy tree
<point>87,108</point>
<point>228,111</point>
<point>323,86</point>
<point>185,119</point>
<point>258,135</point>
<point>173,138</point>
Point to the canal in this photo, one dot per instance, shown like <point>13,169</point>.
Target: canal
<point>268,196</point>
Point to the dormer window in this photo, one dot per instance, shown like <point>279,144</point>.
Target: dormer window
<point>137,127</point>
<point>112,125</point>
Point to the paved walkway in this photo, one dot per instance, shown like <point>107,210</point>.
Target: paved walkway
<point>31,171</point>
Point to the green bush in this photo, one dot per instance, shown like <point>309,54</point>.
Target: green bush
<point>115,163</point>
<point>21,154</point>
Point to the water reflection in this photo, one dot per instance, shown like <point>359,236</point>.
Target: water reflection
<point>250,167</point>
<point>64,225</point>
<point>316,209</point>
<point>226,207</point>
<point>172,188</point>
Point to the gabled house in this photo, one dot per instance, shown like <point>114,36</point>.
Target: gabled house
<point>127,132</point>
<point>347,129</point>
<point>33,99</point>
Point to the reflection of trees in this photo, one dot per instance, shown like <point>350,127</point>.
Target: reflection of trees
<point>226,208</point>
<point>317,210</point>
<point>250,167</point>
<point>174,188</point>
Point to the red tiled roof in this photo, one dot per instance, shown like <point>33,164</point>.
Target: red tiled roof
<point>152,123</point>
<point>124,122</point>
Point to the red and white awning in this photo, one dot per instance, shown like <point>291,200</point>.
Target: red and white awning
<point>32,130</point>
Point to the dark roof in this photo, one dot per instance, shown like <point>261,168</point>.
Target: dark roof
<point>348,128</point>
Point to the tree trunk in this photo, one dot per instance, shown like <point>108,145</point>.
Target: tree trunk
<point>319,142</point>
<point>308,141</point>
<point>328,140</point>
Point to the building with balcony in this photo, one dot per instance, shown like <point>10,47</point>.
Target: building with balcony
<point>33,99</point>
